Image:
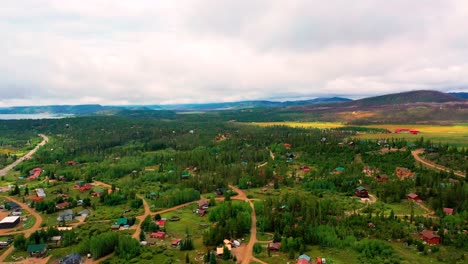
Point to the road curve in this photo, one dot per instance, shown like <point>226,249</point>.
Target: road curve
<point>142,217</point>
<point>431,164</point>
<point>28,155</point>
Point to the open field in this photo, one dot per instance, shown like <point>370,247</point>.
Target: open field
<point>321,125</point>
<point>451,134</point>
<point>456,134</point>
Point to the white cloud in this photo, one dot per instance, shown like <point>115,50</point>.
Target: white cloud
<point>115,52</point>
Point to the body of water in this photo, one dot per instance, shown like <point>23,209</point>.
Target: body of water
<point>30,116</point>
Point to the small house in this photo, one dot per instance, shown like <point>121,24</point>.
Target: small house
<point>158,235</point>
<point>85,187</point>
<point>37,250</point>
<point>66,215</point>
<point>40,193</point>
<point>185,176</point>
<point>305,169</point>
<point>201,212</point>
<point>321,260</point>
<point>403,173</point>
<point>11,205</point>
<point>414,197</point>
<point>382,178</point>
<point>161,223</point>
<point>115,227</point>
<point>71,163</point>
<point>429,237</point>
<point>361,192</point>
<point>35,173</point>
<point>274,246</point>
<point>63,205</point>
<point>176,242</point>
<point>304,257</point>
<point>338,170</point>
<point>9,222</point>
<point>55,241</point>
<point>287,145</point>
<point>97,193</point>
<point>448,211</point>
<point>122,221</point>
<point>203,204</point>
<point>71,259</point>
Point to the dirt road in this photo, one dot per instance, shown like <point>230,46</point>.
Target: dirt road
<point>28,155</point>
<point>142,217</point>
<point>248,251</point>
<point>432,165</point>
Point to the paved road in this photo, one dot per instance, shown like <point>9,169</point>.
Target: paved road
<point>432,165</point>
<point>28,155</point>
<point>37,225</point>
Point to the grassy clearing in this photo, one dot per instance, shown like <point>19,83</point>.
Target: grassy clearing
<point>321,125</point>
<point>16,255</point>
<point>411,255</point>
<point>336,256</point>
<point>456,135</point>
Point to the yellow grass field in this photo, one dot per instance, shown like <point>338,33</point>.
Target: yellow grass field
<point>456,134</point>
<point>321,125</point>
<point>9,150</point>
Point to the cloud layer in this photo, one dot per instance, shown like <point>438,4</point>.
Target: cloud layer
<point>152,52</point>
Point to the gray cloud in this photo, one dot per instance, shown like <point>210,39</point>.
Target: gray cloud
<point>116,52</point>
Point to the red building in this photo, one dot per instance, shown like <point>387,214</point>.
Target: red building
<point>429,237</point>
<point>382,178</point>
<point>361,192</point>
<point>159,235</point>
<point>448,211</point>
<point>414,197</point>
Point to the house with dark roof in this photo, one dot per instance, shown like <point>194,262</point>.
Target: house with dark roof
<point>361,192</point>
<point>9,222</point>
<point>275,246</point>
<point>37,250</point>
<point>71,259</point>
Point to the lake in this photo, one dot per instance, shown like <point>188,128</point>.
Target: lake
<point>30,116</point>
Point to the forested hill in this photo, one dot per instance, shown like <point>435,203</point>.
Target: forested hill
<point>460,95</point>
<point>422,96</point>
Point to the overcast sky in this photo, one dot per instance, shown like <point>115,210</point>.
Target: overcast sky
<point>160,52</point>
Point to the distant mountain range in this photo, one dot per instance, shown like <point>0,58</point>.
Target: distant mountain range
<point>96,108</point>
<point>332,104</point>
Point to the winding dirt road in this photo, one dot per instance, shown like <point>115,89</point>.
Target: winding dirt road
<point>433,165</point>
